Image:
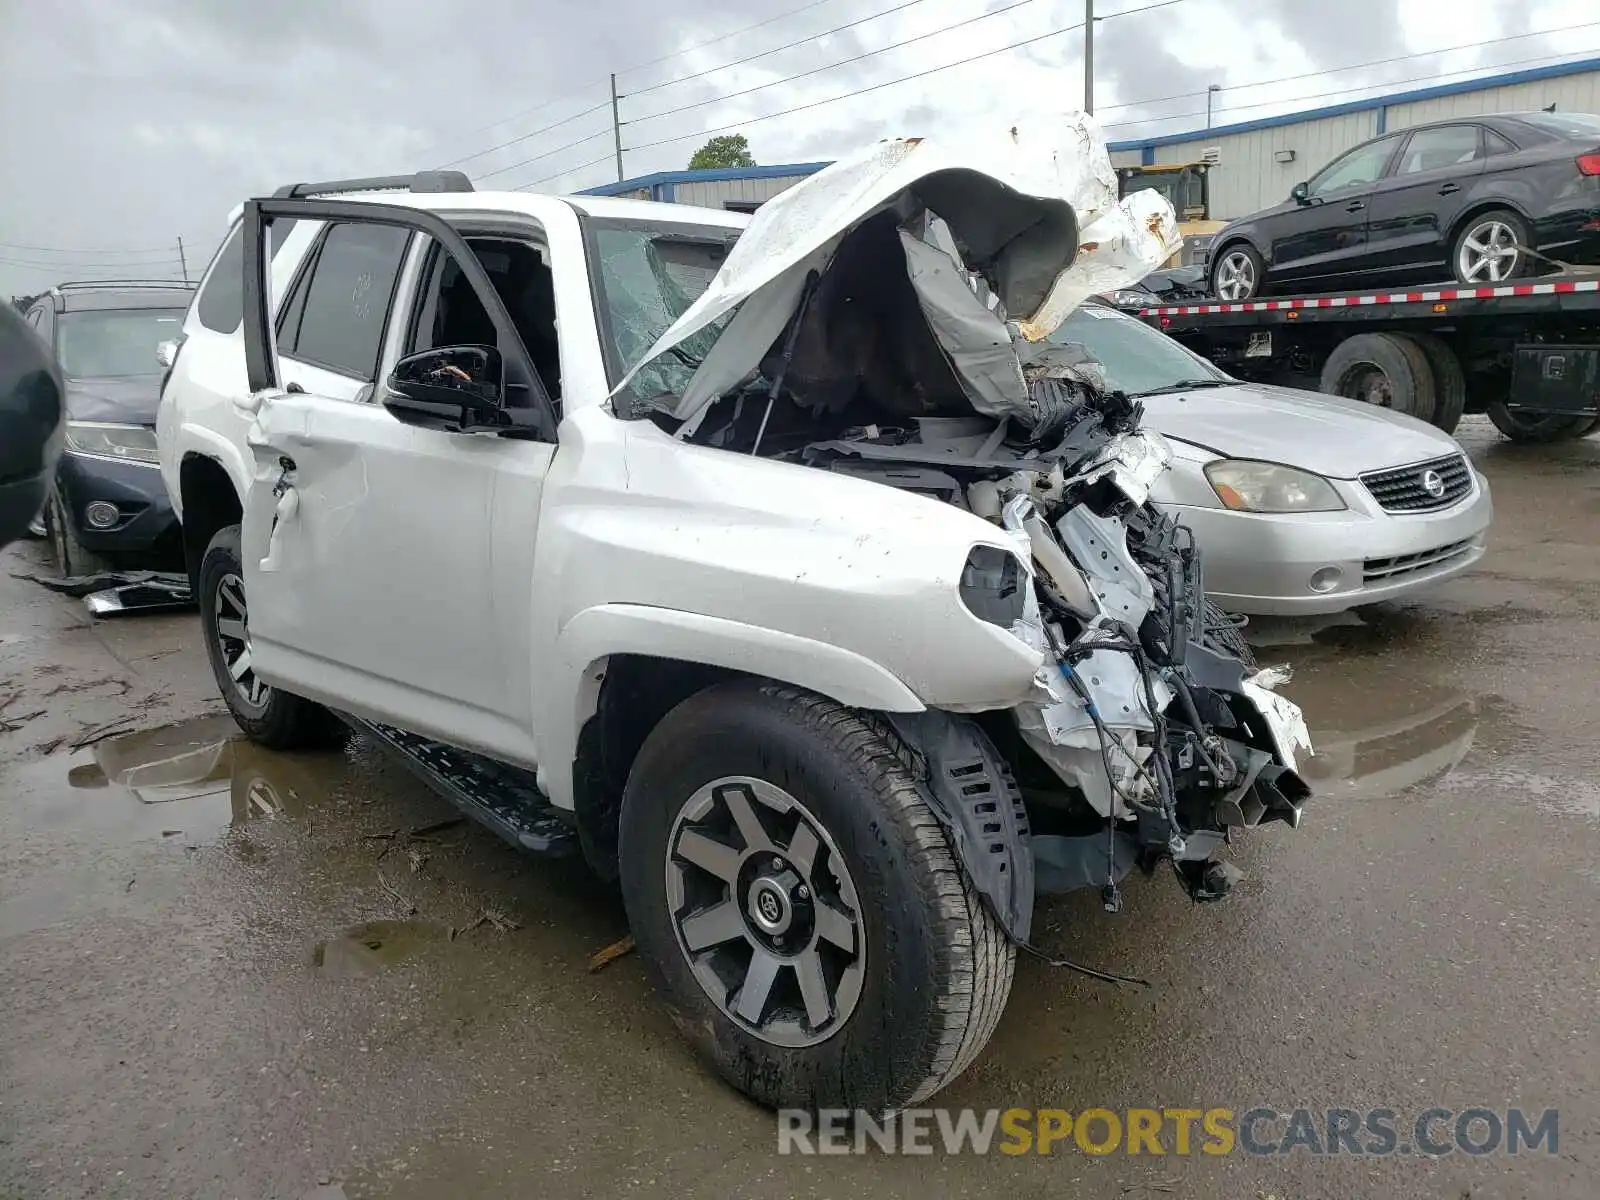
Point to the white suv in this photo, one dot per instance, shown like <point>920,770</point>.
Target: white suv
<point>835,630</point>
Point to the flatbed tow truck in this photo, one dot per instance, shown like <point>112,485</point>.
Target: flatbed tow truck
<point>1527,353</point>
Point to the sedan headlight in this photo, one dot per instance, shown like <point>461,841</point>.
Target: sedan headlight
<point>1133,298</point>
<point>1263,487</point>
<point>127,443</point>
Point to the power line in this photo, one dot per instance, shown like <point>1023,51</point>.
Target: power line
<point>793,12</point>
<point>805,41</point>
<point>81,250</point>
<point>593,162</point>
<point>895,82</point>
<point>524,137</point>
<point>547,154</point>
<point>1377,62</point>
<point>95,266</point>
<point>921,37</point>
<point>638,66</point>
<point>1344,91</point>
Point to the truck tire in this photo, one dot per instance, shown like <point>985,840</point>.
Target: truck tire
<point>1547,427</point>
<point>1238,272</point>
<point>1385,369</point>
<point>800,906</point>
<point>73,559</point>
<point>269,715</point>
<point>1483,252</point>
<point>1449,380</point>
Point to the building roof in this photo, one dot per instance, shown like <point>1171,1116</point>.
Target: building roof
<point>1481,83</point>
<point>714,175</point>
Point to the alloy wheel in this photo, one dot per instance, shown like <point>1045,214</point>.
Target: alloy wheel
<point>1488,253</point>
<point>233,640</point>
<point>1236,276</point>
<point>765,911</point>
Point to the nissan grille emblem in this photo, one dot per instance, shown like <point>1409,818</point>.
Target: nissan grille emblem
<point>1433,484</point>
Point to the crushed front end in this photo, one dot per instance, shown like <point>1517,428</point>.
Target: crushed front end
<point>890,319</point>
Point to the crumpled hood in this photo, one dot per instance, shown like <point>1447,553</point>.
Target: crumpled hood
<point>1328,435</point>
<point>1034,213</point>
<point>126,399</point>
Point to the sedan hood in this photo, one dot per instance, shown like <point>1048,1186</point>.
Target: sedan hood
<point>1327,435</point>
<point>126,399</point>
<point>1030,218</point>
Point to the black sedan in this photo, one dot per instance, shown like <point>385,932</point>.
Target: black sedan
<point>1467,198</point>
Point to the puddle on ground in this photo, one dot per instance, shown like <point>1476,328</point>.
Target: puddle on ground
<point>195,779</point>
<point>375,946</point>
<point>1401,741</point>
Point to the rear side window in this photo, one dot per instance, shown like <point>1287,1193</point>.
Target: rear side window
<point>221,302</point>
<point>1497,144</point>
<point>347,299</point>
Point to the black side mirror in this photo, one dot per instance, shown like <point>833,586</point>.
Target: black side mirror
<point>1300,194</point>
<point>460,389</point>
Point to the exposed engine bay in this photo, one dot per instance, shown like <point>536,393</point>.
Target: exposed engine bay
<point>1149,737</point>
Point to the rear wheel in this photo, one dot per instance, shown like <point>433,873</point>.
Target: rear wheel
<point>800,905</point>
<point>1486,251</point>
<point>1449,380</point>
<point>72,557</point>
<point>1383,369</point>
<point>1539,427</point>
<point>272,717</point>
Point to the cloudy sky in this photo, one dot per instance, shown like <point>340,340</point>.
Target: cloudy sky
<point>129,125</point>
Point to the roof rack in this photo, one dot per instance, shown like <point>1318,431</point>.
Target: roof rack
<point>102,283</point>
<point>421,181</point>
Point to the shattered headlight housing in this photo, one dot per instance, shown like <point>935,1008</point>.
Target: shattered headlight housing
<point>994,586</point>
<point>101,439</point>
<point>1263,487</point>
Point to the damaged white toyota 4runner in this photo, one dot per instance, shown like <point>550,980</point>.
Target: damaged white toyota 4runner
<point>836,629</point>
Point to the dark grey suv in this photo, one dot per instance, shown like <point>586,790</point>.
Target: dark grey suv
<point>1465,198</point>
<point>106,506</point>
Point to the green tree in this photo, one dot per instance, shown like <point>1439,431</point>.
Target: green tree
<point>729,150</point>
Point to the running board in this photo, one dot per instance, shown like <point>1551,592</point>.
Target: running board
<point>502,797</point>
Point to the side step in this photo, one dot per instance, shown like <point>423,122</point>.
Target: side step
<point>503,797</point>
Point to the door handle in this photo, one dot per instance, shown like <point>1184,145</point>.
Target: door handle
<point>1355,206</point>
<point>1449,189</point>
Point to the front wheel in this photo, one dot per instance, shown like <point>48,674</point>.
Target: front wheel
<point>800,905</point>
<point>73,558</point>
<point>1238,273</point>
<point>272,717</point>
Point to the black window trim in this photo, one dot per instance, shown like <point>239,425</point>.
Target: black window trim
<point>1477,126</point>
<point>261,370</point>
<point>1398,137</point>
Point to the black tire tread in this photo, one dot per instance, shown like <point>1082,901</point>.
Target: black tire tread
<point>1550,428</point>
<point>290,722</point>
<point>72,557</point>
<point>974,960</point>
<point>1450,381</point>
<point>1400,359</point>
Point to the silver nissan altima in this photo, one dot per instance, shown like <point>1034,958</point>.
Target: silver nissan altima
<point>1301,503</point>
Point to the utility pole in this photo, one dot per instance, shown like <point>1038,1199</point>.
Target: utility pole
<point>616,126</point>
<point>1210,92</point>
<point>1088,57</point>
<point>182,261</point>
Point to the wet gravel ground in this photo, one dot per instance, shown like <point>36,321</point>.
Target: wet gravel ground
<point>225,972</point>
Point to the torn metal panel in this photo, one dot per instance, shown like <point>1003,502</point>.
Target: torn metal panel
<point>1099,545</point>
<point>1012,206</point>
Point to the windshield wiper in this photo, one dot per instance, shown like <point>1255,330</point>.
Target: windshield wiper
<point>1184,385</point>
